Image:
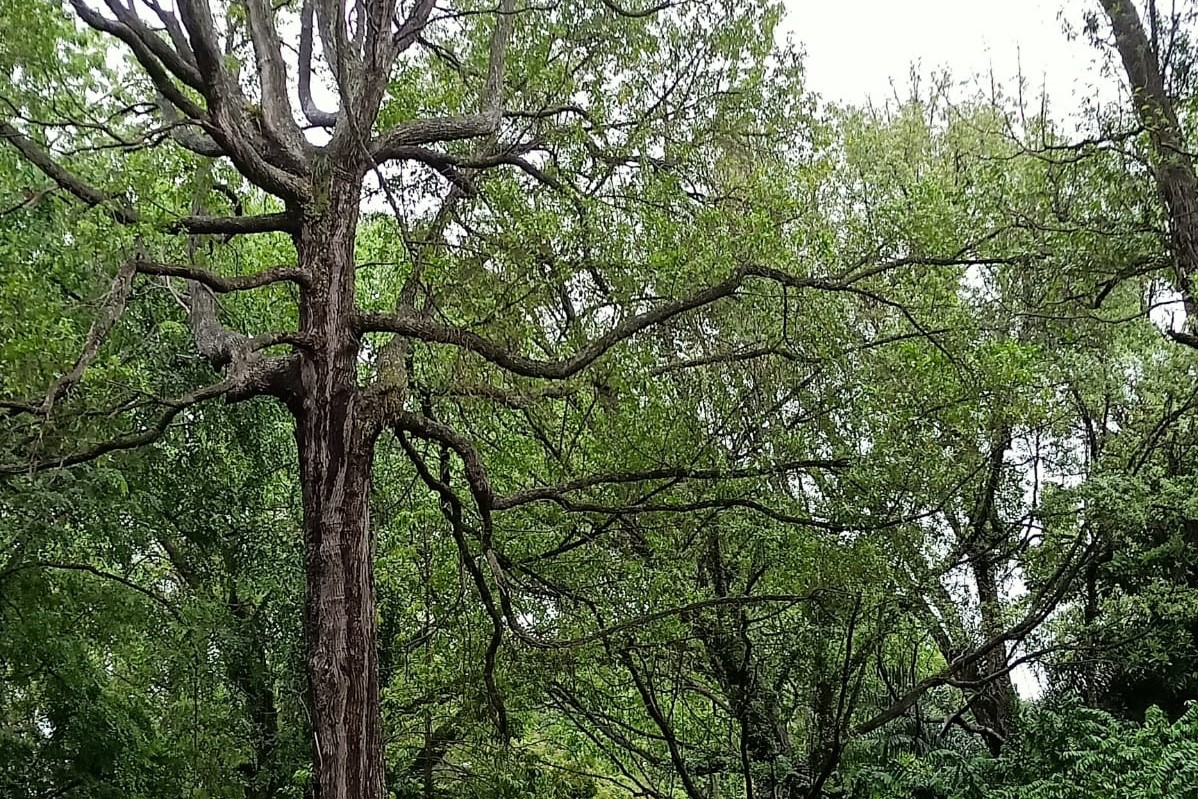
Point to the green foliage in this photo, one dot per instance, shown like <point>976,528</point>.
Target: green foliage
<point>1063,751</point>
<point>958,423</point>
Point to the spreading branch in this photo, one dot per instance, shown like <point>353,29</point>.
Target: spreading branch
<point>110,312</point>
<point>268,378</point>
<point>555,493</point>
<point>123,213</point>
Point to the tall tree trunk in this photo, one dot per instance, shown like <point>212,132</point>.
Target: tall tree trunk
<point>996,703</point>
<point>336,442</point>
<point>1173,167</point>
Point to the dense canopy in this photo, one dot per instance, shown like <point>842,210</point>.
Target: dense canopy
<point>447,398</point>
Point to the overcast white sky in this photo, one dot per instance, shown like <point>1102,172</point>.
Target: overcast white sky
<point>855,47</point>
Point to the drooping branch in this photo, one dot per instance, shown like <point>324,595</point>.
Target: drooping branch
<point>424,329</point>
<point>451,508</point>
<point>98,572</point>
<point>649,700</point>
<point>476,473</point>
<point>235,387</point>
<point>450,165</point>
<point>89,194</point>
<point>628,625</point>
<point>122,212</point>
<point>428,330</point>
<point>641,12</point>
<point>1047,598</point>
<point>717,503</point>
<point>515,399</point>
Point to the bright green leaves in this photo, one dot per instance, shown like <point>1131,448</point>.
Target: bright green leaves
<point>1065,751</point>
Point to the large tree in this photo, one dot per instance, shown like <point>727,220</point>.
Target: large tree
<point>530,156</point>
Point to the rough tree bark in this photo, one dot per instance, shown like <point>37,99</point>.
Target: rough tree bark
<point>335,439</point>
<point>1173,165</point>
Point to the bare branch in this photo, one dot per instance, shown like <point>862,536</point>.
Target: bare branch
<point>176,33</point>
<point>492,99</point>
<point>220,283</point>
<point>84,191</point>
<point>313,114</point>
<point>432,130</point>
<point>282,222</point>
<point>272,73</point>
<point>179,59</point>
<point>408,32</point>
<point>145,56</point>
<point>277,169</point>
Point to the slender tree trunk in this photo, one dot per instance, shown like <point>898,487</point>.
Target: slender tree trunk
<point>997,702</point>
<point>336,445</point>
<point>765,744</point>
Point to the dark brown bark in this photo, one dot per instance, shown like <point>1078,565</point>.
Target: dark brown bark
<point>1174,169</point>
<point>335,440</point>
<point>995,704</point>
